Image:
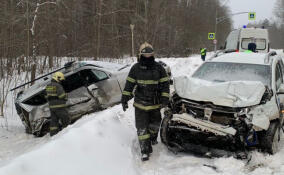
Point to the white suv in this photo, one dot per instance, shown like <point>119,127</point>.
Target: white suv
<point>232,103</point>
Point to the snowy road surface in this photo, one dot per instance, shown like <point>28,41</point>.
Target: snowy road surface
<point>105,143</point>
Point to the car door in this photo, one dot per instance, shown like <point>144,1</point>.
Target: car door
<point>279,81</point>
<point>108,91</point>
<point>80,101</point>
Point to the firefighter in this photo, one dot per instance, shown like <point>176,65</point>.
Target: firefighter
<point>251,48</point>
<point>203,53</point>
<point>151,84</point>
<point>57,98</point>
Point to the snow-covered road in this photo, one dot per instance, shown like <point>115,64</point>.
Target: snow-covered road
<point>106,143</point>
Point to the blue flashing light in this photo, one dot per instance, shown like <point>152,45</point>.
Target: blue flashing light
<point>244,26</point>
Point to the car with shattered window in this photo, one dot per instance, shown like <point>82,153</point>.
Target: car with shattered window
<point>168,71</point>
<point>90,86</point>
<point>231,104</point>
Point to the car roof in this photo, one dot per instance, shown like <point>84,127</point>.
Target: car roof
<point>41,83</point>
<point>242,57</point>
<point>255,32</point>
<point>108,66</point>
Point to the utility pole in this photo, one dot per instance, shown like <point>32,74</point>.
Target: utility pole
<point>216,22</point>
<point>146,19</point>
<point>132,36</point>
<point>28,31</point>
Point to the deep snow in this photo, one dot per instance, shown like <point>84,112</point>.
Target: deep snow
<point>106,143</point>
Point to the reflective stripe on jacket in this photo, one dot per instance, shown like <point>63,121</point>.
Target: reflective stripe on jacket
<point>151,86</point>
<point>248,51</point>
<point>55,95</point>
<point>203,52</point>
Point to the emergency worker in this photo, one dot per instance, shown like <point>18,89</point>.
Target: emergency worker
<point>151,84</point>
<point>203,53</point>
<point>251,48</point>
<point>57,98</point>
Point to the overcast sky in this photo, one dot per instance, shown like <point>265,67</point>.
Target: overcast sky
<point>262,8</point>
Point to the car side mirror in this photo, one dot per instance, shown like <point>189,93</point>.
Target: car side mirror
<point>93,87</point>
<point>281,89</point>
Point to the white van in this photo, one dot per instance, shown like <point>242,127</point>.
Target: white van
<point>240,38</point>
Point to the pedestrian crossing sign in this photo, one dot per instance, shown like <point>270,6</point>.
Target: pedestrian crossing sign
<point>211,36</point>
<point>251,16</point>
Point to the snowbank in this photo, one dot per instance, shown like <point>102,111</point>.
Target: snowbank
<point>95,145</point>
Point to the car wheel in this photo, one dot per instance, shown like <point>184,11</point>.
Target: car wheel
<point>28,130</point>
<point>271,139</point>
<point>44,130</point>
<point>164,129</point>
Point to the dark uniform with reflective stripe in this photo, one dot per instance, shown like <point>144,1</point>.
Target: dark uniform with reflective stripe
<point>57,98</point>
<point>152,91</point>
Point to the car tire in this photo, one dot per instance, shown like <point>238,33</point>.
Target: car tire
<point>28,130</point>
<point>269,141</point>
<point>164,129</point>
<point>44,130</point>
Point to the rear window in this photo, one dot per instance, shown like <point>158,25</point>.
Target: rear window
<point>37,100</point>
<point>260,43</point>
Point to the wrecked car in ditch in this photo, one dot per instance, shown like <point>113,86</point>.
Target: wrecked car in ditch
<point>90,86</point>
<point>231,104</point>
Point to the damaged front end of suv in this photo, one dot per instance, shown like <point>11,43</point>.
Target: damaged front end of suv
<point>223,118</point>
<point>212,130</point>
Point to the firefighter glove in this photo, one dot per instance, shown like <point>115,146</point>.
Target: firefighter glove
<point>124,106</point>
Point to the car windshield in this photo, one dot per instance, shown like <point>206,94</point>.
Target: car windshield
<point>223,72</point>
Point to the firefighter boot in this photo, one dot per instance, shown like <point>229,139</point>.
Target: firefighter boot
<point>145,157</point>
<point>145,144</point>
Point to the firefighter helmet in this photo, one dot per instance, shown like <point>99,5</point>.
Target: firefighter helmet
<point>58,76</point>
<point>146,50</point>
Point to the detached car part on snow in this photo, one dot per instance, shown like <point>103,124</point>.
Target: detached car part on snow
<point>232,103</point>
<point>90,86</point>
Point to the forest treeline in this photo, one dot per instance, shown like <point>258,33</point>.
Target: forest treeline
<point>101,28</point>
<point>276,28</point>
<point>35,34</point>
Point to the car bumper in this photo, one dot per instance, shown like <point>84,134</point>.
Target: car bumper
<point>204,125</point>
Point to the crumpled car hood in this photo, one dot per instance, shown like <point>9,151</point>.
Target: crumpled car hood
<point>230,94</point>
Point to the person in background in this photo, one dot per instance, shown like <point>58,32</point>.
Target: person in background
<point>151,84</point>
<point>203,53</point>
<point>251,48</point>
<point>57,98</point>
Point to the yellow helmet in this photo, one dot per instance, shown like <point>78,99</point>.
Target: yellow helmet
<point>58,76</point>
<point>146,50</point>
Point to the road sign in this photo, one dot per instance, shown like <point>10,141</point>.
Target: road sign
<point>211,36</point>
<point>251,16</point>
<point>214,41</point>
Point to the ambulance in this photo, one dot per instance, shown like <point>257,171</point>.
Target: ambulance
<point>240,38</point>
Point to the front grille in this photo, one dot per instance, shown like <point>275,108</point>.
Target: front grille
<point>183,134</point>
<point>222,118</point>
<point>220,115</point>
